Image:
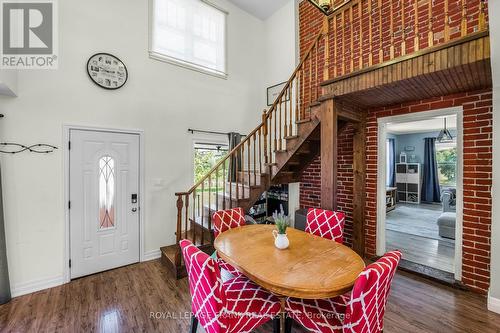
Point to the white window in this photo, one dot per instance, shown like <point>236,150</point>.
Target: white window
<point>190,33</point>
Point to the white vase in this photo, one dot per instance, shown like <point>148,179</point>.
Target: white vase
<point>280,240</point>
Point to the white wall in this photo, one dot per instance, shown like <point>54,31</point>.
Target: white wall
<point>159,98</point>
<point>8,82</point>
<point>494,300</point>
<point>281,55</point>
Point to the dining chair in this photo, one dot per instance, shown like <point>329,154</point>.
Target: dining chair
<point>360,312</point>
<point>326,224</point>
<point>224,220</point>
<point>237,305</point>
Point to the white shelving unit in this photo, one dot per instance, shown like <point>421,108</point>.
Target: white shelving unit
<point>408,182</point>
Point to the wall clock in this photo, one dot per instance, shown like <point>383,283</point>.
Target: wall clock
<point>107,71</point>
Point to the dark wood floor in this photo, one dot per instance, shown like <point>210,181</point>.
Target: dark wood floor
<point>125,299</point>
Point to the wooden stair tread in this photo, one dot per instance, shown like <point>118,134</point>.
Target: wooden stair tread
<point>291,137</point>
<point>303,121</point>
<point>169,252</point>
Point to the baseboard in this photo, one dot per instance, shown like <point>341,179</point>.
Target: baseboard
<point>36,285</point>
<point>493,304</point>
<point>151,255</point>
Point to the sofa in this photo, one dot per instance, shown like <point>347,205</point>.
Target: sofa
<point>448,219</point>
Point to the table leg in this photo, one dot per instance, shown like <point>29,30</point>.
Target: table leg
<point>282,314</point>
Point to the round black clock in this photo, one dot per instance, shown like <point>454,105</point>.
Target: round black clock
<point>107,71</point>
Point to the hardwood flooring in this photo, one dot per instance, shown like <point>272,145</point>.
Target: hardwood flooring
<point>144,298</point>
<point>421,250</point>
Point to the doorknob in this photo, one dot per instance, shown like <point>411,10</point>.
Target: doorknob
<point>134,210</point>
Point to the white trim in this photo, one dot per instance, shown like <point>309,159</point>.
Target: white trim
<point>208,138</point>
<point>183,64</point>
<point>36,285</point>
<point>187,65</point>
<point>151,255</point>
<point>493,303</point>
<point>66,165</point>
<point>381,177</point>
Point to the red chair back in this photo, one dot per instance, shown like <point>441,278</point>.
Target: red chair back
<point>366,309</point>
<point>205,285</point>
<point>326,224</point>
<point>224,220</point>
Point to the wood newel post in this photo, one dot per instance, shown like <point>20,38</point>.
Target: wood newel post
<point>359,187</point>
<point>329,153</point>
<point>180,205</point>
<point>326,34</point>
<point>264,131</point>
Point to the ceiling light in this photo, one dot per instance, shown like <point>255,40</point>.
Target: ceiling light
<point>444,135</point>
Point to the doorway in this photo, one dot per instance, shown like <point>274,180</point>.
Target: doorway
<point>420,195</point>
<point>104,184</point>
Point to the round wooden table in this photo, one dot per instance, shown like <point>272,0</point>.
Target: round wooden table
<point>311,268</point>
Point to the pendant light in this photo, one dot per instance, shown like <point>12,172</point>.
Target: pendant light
<point>444,135</point>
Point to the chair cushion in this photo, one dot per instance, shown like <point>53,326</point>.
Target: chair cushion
<point>326,224</point>
<point>224,220</point>
<point>229,268</point>
<point>321,316</point>
<point>248,305</point>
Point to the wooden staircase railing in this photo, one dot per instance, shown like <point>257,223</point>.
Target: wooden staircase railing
<point>243,174</point>
<point>247,171</point>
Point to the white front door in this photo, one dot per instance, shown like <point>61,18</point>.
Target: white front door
<point>104,201</point>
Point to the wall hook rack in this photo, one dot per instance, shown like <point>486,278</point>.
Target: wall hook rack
<point>16,148</point>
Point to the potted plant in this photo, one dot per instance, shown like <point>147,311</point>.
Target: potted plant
<point>282,222</point>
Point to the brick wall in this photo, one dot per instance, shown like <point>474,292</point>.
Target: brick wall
<point>349,38</point>
<point>310,183</point>
<point>349,50</point>
<point>477,116</point>
<point>477,141</point>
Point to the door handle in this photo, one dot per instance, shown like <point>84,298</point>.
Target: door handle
<point>134,210</point>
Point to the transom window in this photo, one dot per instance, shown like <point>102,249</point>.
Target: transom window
<point>190,33</point>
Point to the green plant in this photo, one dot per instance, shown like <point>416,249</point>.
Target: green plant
<point>281,220</point>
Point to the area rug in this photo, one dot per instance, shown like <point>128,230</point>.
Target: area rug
<point>418,220</point>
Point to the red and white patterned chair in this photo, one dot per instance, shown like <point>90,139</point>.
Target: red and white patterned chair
<point>326,224</point>
<point>237,305</point>
<point>224,220</point>
<point>360,312</point>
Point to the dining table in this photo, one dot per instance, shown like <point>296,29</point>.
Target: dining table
<point>311,267</point>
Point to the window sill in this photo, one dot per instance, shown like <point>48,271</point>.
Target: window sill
<point>186,65</point>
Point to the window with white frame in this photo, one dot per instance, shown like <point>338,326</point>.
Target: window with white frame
<point>446,157</point>
<point>190,33</point>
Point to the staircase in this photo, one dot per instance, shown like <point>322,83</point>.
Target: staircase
<point>276,152</point>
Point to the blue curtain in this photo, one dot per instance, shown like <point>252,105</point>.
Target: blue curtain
<point>430,186</point>
<point>391,161</point>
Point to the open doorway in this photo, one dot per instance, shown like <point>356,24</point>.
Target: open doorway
<point>421,206</point>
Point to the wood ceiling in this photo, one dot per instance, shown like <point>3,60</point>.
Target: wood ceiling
<point>454,67</point>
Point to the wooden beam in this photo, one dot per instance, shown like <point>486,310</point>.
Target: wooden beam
<point>329,154</point>
<point>359,187</point>
<point>351,115</point>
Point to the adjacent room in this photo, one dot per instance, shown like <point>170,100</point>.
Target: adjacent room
<point>422,190</point>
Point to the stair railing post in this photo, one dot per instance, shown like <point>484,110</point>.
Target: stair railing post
<point>180,205</point>
<point>326,32</point>
<point>264,130</point>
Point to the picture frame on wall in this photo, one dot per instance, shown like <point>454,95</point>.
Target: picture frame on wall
<point>273,93</point>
